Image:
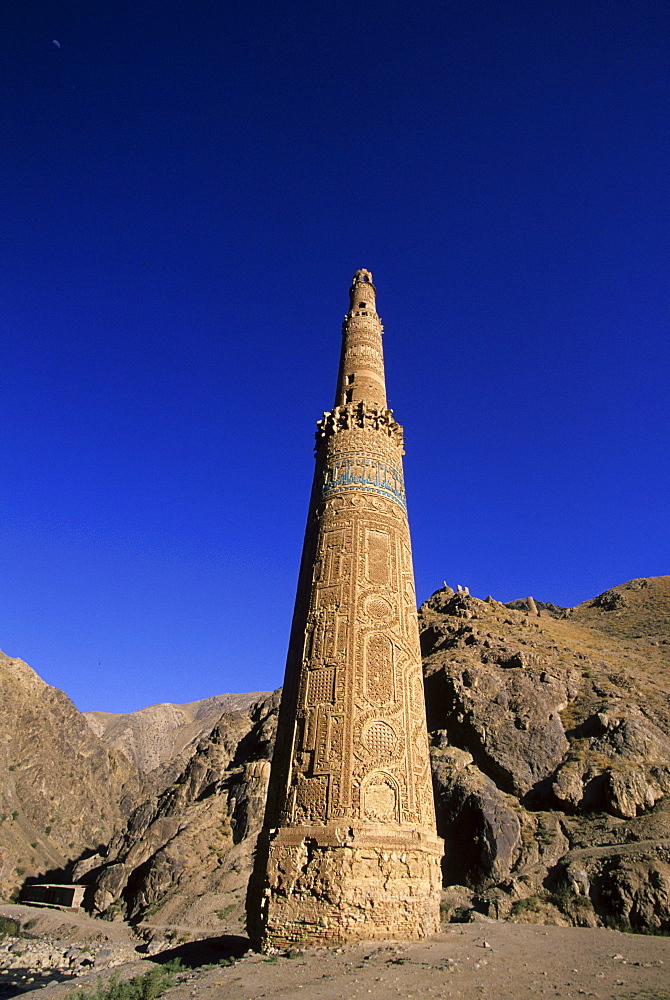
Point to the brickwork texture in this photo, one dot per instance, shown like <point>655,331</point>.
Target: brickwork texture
<point>348,849</point>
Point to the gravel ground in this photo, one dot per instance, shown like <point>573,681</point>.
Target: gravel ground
<point>505,961</point>
<point>58,945</point>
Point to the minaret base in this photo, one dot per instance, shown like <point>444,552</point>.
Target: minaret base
<point>337,884</point>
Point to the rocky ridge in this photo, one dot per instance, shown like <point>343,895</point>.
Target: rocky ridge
<point>551,753</point>
<point>71,780</point>
<point>550,732</point>
<point>63,791</point>
<point>160,739</point>
<point>185,855</point>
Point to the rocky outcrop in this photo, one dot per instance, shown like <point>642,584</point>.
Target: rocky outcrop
<point>185,855</point>
<point>72,779</point>
<point>623,766</point>
<point>551,753</point>
<point>161,739</point>
<point>550,732</point>
<point>62,792</point>
<point>623,886</point>
<point>479,824</point>
<point>496,686</point>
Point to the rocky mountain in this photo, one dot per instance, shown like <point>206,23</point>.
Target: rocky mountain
<point>71,780</point>
<point>62,791</point>
<point>185,855</point>
<point>550,732</point>
<point>551,753</point>
<point>162,738</point>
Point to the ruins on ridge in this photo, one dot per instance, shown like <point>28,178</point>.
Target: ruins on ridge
<point>348,848</point>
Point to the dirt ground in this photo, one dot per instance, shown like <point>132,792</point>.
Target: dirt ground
<point>505,961</point>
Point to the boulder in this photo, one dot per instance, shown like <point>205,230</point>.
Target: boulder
<point>481,829</point>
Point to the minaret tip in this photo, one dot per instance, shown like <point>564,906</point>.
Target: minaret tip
<point>362,275</point>
<point>361,376</point>
<point>362,294</point>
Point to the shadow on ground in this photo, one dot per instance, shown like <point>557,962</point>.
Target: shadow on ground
<point>208,951</point>
<point>192,955</point>
<point>13,982</point>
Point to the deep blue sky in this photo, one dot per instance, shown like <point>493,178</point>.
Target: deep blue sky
<point>187,186</point>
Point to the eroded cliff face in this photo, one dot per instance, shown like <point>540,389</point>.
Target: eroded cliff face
<point>161,739</point>
<point>185,856</point>
<point>551,753</point>
<point>551,763</point>
<point>62,792</point>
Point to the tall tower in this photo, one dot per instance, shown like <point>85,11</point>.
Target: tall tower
<point>348,848</point>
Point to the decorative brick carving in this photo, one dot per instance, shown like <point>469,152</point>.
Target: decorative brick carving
<point>379,608</point>
<point>321,686</point>
<point>381,798</point>
<point>379,669</point>
<point>348,848</point>
<point>310,798</point>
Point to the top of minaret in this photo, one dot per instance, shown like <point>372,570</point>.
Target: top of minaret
<point>360,396</point>
<point>361,374</point>
<point>362,294</point>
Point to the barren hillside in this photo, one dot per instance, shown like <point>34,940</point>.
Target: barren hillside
<point>550,739</point>
<point>551,763</point>
<point>551,753</point>
<point>62,791</point>
<point>163,737</point>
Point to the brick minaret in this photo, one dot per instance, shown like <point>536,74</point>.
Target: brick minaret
<point>348,849</point>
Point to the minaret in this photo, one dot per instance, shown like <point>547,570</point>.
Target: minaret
<point>348,848</point>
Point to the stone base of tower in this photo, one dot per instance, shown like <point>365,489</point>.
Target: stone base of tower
<point>322,886</point>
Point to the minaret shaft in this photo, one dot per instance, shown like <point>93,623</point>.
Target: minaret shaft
<point>348,849</point>
<point>361,374</point>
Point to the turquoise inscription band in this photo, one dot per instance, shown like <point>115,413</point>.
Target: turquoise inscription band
<point>356,471</point>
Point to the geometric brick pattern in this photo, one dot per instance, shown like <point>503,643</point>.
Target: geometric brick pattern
<point>348,848</point>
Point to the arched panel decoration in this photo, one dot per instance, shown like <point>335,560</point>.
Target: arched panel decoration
<point>380,798</point>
